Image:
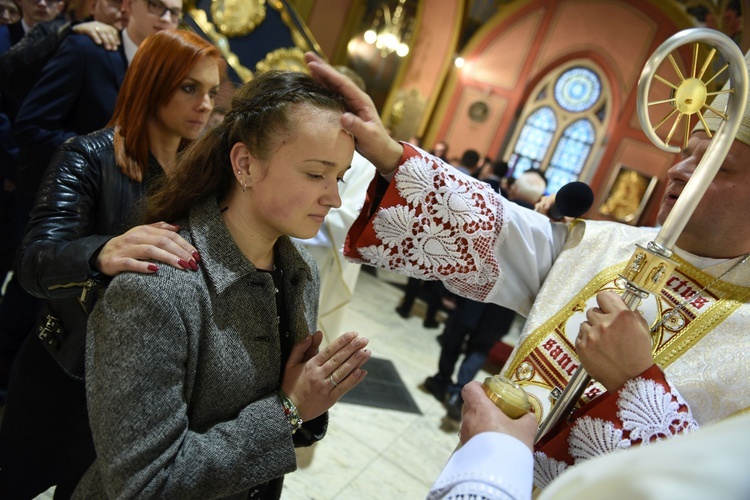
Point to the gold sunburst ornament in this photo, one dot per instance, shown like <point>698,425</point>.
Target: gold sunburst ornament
<point>237,17</point>
<point>689,96</point>
<point>283,59</point>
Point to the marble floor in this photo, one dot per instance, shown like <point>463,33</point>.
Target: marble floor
<point>371,453</point>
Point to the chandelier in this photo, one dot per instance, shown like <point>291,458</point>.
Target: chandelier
<point>390,32</point>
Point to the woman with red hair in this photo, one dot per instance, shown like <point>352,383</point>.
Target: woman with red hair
<point>80,236</point>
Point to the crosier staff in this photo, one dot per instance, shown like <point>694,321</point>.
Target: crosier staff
<point>650,266</point>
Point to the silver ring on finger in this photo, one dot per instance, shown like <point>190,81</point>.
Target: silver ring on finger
<point>333,382</point>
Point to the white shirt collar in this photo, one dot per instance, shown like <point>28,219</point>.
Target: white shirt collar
<point>128,46</point>
<point>697,260</point>
<point>24,26</point>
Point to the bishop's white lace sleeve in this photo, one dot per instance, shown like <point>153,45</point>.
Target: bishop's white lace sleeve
<point>436,223</point>
<point>646,411</point>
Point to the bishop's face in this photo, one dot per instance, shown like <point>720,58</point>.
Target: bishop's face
<point>720,225</point>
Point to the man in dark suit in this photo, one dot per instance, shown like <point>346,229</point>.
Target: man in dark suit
<point>32,12</point>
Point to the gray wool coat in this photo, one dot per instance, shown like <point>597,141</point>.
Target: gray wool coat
<point>182,370</point>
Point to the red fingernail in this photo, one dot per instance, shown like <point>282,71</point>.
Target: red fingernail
<point>197,256</point>
<point>153,267</point>
<point>182,263</point>
<point>193,265</point>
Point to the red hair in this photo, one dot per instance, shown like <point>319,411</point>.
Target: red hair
<point>159,66</point>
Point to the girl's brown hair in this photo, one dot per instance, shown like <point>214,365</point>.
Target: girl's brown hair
<point>261,117</point>
<point>159,66</point>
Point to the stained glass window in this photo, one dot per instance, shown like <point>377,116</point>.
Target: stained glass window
<point>560,130</point>
<point>534,141</point>
<point>577,89</point>
<point>570,154</point>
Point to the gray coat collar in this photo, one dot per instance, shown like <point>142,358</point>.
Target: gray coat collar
<point>224,263</point>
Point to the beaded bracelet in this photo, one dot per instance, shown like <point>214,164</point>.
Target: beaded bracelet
<point>290,411</point>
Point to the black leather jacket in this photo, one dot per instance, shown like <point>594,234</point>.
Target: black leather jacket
<point>83,201</point>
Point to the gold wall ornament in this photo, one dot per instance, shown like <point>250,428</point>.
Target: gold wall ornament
<point>237,17</point>
<point>302,37</point>
<point>221,42</point>
<point>283,59</point>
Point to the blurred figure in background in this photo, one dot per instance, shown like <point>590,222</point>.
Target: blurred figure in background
<point>9,12</point>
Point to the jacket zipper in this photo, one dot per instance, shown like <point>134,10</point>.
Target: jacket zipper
<point>87,286</point>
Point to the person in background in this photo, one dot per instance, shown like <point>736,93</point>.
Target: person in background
<point>32,12</point>
<point>440,150</point>
<point>469,163</point>
<point>9,12</point>
<point>494,173</point>
<point>224,362</point>
<point>17,316</point>
<point>78,87</point>
<point>80,235</point>
<point>530,185</point>
<point>216,117</point>
<point>21,66</point>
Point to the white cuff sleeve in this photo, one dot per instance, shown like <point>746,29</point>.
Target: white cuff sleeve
<point>490,466</point>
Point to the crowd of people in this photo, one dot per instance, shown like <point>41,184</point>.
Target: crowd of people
<point>161,336</point>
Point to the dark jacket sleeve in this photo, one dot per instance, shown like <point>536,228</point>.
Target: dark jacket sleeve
<point>8,150</point>
<point>43,122</point>
<point>60,240</point>
<point>21,66</point>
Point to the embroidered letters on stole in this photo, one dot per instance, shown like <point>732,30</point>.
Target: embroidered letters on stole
<point>547,358</point>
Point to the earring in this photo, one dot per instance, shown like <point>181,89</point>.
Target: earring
<point>244,187</point>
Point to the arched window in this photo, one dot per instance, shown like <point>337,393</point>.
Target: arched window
<point>561,125</point>
<point>535,138</point>
<point>570,155</point>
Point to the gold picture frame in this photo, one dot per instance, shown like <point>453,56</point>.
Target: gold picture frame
<point>628,192</point>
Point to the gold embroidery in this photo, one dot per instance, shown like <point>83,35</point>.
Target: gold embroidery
<point>237,17</point>
<point>201,19</point>
<point>546,357</point>
<point>283,59</point>
<point>732,297</point>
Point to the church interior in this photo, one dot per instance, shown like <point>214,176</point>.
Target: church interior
<point>548,84</point>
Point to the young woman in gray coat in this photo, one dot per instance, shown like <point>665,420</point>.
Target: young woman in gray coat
<point>200,385</point>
